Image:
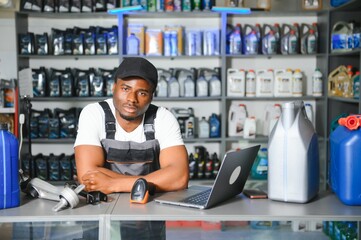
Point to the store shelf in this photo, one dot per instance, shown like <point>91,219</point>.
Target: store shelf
<point>345,100</point>
<point>63,15</point>
<point>303,98</point>
<point>7,110</point>
<point>260,56</point>
<point>67,57</point>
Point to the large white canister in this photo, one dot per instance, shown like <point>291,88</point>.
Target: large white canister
<point>293,158</point>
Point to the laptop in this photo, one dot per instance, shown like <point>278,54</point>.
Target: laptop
<point>230,181</point>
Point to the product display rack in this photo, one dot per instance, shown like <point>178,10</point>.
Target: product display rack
<point>336,106</point>
<point>327,107</point>
<point>197,19</point>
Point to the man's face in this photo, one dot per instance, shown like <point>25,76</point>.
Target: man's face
<point>132,97</point>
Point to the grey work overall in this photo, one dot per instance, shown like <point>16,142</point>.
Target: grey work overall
<point>136,159</point>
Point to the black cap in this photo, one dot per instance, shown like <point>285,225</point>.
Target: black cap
<point>137,67</point>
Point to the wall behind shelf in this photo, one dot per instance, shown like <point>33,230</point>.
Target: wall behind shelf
<point>8,67</point>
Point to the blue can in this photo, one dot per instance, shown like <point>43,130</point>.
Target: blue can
<point>167,43</point>
<point>174,43</point>
<point>345,166</point>
<point>191,44</point>
<point>9,170</point>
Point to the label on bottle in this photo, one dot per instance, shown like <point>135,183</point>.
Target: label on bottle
<point>250,85</point>
<point>339,41</point>
<point>317,85</point>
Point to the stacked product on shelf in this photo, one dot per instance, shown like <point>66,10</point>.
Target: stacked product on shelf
<point>271,83</point>
<point>172,41</point>
<point>269,39</point>
<point>344,81</point>
<point>202,164</point>
<point>72,41</point>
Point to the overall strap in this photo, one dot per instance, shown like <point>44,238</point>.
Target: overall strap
<point>109,120</point>
<point>150,115</point>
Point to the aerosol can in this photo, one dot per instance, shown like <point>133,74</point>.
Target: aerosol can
<point>293,167</point>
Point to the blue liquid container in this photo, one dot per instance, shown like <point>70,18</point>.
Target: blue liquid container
<point>337,3</point>
<point>9,169</point>
<point>345,144</point>
<point>260,166</point>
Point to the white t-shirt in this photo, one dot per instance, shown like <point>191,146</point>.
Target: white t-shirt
<point>91,128</point>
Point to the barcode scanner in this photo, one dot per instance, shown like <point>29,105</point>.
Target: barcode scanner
<point>141,191</point>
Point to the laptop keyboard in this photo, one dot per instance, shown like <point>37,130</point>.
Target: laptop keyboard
<point>199,198</point>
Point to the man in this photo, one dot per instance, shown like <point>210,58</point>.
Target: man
<point>126,137</point>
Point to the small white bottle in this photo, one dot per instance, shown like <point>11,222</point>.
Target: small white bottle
<point>203,128</point>
<point>214,86</point>
<point>189,87</point>
<point>173,87</point>
<point>202,87</point>
<point>251,83</point>
<point>297,83</point>
<point>317,89</point>
<point>132,45</point>
<point>162,88</point>
<point>249,131</point>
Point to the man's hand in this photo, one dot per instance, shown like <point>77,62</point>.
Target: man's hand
<point>97,181</point>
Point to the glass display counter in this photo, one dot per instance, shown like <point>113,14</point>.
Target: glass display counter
<point>35,217</point>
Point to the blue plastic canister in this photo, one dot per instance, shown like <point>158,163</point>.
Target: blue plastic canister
<point>345,144</point>
<point>9,170</point>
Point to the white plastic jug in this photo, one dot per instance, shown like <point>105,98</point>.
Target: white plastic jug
<point>236,118</point>
<point>236,82</point>
<point>283,83</point>
<point>293,158</point>
<point>264,83</point>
